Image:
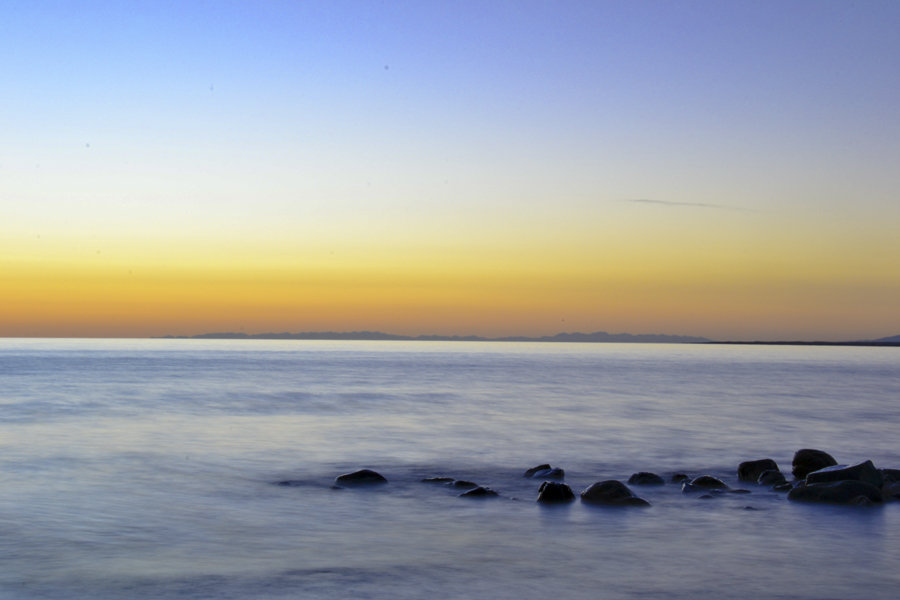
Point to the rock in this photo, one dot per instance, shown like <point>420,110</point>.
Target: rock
<point>462,483</point>
<point>361,477</point>
<point>545,472</point>
<point>645,478</point>
<point>702,483</point>
<point>783,487</point>
<point>555,492</point>
<point>437,480</point>
<point>612,493</point>
<point>530,472</point>
<point>808,460</point>
<point>772,478</point>
<point>479,492</point>
<point>752,469</point>
<point>864,471</point>
<point>680,477</point>
<point>891,490</point>
<point>890,475</point>
<point>837,492</point>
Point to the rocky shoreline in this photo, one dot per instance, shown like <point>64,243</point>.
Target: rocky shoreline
<point>816,477</point>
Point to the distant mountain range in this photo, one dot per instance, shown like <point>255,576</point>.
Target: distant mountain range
<point>597,336</point>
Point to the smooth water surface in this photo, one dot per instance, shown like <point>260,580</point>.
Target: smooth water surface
<point>149,468</point>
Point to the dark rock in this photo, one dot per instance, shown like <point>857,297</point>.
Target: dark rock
<point>462,483</point>
<point>890,475</point>
<point>891,490</point>
<point>361,477</point>
<point>808,460</point>
<point>783,487</point>
<point>545,472</point>
<point>437,480</point>
<point>702,483</point>
<point>837,492</point>
<point>645,478</point>
<point>861,501</point>
<point>864,471</point>
<point>611,492</point>
<point>771,478</point>
<point>530,472</point>
<point>554,492</point>
<point>680,477</point>
<point>479,492</point>
<point>752,469</point>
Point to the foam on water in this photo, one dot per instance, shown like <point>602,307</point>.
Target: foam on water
<point>149,469</point>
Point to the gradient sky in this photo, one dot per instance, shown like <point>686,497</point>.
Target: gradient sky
<point>725,169</point>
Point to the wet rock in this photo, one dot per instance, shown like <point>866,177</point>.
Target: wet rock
<point>530,472</point>
<point>891,487</point>
<point>611,493</point>
<point>703,483</point>
<point>783,487</point>
<point>462,483</point>
<point>437,480</point>
<point>837,492</point>
<point>552,492</point>
<point>891,490</point>
<point>545,472</point>
<point>808,460</point>
<point>864,471</point>
<point>752,469</point>
<point>645,478</point>
<point>771,478</point>
<point>890,475</point>
<point>680,477</point>
<point>479,492</point>
<point>361,477</point>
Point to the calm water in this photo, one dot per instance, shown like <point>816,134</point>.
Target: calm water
<point>146,468</point>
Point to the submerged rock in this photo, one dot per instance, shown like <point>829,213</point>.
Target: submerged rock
<point>462,483</point>
<point>545,472</point>
<point>680,477</point>
<point>646,478</point>
<point>361,477</point>
<point>751,470</point>
<point>808,460</point>
<point>772,478</point>
<point>864,471</point>
<point>612,493</point>
<point>552,492</point>
<point>530,472</point>
<point>437,480</point>
<point>479,492</point>
<point>703,483</point>
<point>837,492</point>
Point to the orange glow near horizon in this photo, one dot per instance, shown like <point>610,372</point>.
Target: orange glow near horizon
<point>525,289</point>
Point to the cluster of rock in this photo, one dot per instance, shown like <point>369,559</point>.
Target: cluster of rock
<point>817,478</point>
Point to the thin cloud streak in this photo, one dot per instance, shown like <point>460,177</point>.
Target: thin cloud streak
<point>694,204</point>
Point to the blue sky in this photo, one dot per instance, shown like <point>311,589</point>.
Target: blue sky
<point>581,130</point>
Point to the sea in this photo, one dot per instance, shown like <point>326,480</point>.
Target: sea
<point>187,468</point>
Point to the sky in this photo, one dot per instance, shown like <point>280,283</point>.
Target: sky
<point>721,169</point>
